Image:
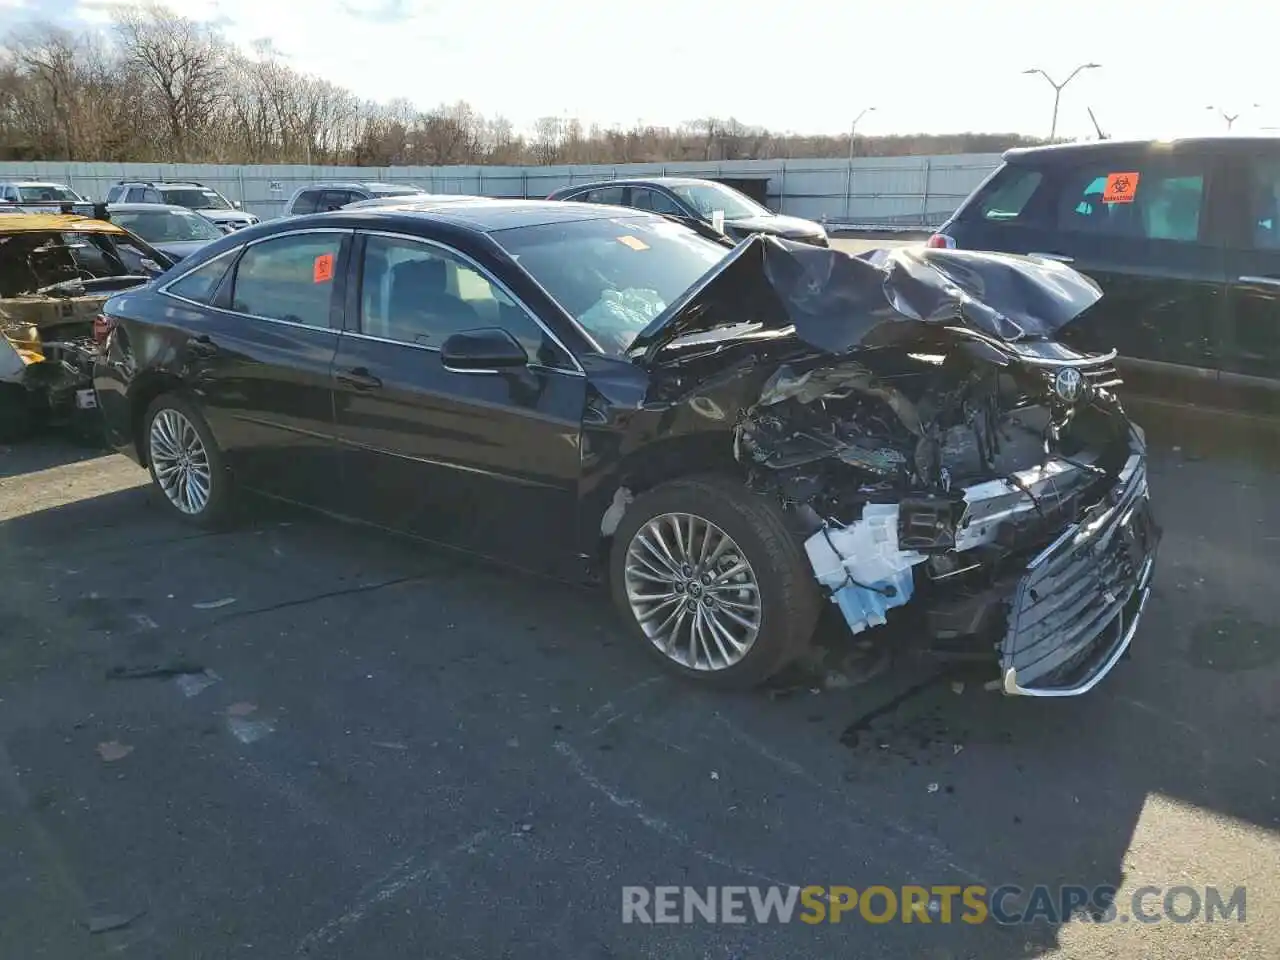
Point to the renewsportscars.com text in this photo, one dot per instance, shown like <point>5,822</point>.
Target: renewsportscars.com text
<point>973,904</point>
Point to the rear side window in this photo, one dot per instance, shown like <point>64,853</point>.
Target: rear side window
<point>1153,199</point>
<point>114,193</point>
<point>1266,204</point>
<point>306,202</point>
<point>609,195</point>
<point>288,278</point>
<point>1009,194</point>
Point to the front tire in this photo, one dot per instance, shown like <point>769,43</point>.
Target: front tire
<point>712,583</point>
<point>186,465</point>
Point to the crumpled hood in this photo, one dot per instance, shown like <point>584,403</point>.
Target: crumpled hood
<point>837,302</point>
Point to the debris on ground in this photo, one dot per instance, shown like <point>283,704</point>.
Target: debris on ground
<point>241,709</point>
<point>154,671</point>
<point>193,683</point>
<point>957,687</point>
<point>112,921</point>
<point>213,604</point>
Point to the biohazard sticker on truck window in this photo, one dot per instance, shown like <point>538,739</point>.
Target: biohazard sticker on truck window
<point>1120,187</point>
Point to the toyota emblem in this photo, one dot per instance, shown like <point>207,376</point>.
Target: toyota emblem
<point>1068,384</point>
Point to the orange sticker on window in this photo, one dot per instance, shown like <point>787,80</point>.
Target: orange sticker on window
<point>635,243</point>
<point>1120,188</point>
<point>322,271</point>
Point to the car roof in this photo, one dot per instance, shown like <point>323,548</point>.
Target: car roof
<point>35,183</point>
<point>143,207</point>
<point>638,181</point>
<point>357,184</point>
<point>49,222</point>
<point>1226,144</point>
<point>484,214</point>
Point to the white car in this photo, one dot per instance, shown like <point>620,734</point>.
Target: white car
<point>36,196</point>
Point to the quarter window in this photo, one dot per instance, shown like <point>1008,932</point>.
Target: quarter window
<point>202,283</point>
<point>1162,201</point>
<point>288,278</point>
<point>416,293</point>
<point>306,202</point>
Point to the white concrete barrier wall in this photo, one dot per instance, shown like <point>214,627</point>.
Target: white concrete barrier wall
<point>871,190</point>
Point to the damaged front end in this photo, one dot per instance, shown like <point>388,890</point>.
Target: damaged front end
<point>940,452</point>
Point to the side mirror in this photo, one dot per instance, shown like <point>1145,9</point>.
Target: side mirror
<point>236,204</point>
<point>485,350</point>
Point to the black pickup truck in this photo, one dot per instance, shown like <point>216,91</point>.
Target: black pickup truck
<point>1183,236</point>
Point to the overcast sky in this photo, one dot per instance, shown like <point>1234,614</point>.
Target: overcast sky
<point>803,65</point>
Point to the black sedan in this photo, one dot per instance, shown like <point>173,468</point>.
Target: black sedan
<point>725,434</point>
<point>690,198</point>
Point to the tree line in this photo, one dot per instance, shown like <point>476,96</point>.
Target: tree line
<point>161,87</point>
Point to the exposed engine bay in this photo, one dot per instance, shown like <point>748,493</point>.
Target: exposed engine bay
<point>939,444</point>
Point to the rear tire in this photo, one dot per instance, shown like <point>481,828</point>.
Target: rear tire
<point>712,583</point>
<point>187,467</point>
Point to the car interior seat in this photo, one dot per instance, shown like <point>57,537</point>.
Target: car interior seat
<point>421,308</point>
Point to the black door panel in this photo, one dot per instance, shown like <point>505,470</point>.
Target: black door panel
<point>487,461</point>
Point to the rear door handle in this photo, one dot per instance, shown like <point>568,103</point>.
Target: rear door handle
<point>202,346</point>
<point>359,378</point>
<point>1061,258</point>
<point>1262,281</point>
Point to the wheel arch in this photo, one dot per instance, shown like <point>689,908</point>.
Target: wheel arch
<point>142,393</point>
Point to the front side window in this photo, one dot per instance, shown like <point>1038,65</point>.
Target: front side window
<point>1153,199</point>
<point>1265,193</point>
<point>642,198</point>
<point>288,278</point>
<point>167,226</point>
<point>708,198</point>
<point>335,200</point>
<point>202,283</point>
<point>612,275</point>
<point>413,292</point>
<point>114,193</point>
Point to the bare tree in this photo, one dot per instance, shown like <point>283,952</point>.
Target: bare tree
<point>182,62</point>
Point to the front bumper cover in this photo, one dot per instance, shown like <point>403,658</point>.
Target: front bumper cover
<point>1075,611</point>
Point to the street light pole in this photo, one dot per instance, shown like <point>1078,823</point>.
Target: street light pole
<point>1231,118</point>
<point>1057,89</point>
<point>853,128</point>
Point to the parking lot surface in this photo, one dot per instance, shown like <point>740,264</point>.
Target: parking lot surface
<point>301,738</point>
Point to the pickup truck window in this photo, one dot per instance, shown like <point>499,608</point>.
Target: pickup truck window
<point>1165,206</point>
<point>1266,205</point>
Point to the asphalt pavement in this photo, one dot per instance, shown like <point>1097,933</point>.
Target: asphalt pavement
<point>301,738</point>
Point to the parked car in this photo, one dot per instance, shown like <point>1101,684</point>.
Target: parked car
<point>37,196</point>
<point>1184,238</point>
<point>416,199</point>
<point>56,272</point>
<point>177,231</point>
<point>323,197</point>
<point>695,199</point>
<point>724,434</point>
<point>184,193</point>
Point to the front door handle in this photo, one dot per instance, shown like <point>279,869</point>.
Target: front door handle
<point>359,378</point>
<point>1061,258</point>
<point>1262,281</point>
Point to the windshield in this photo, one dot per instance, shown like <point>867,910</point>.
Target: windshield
<point>40,259</point>
<point>167,226</point>
<point>708,197</point>
<point>613,276</point>
<point>46,193</point>
<point>197,198</point>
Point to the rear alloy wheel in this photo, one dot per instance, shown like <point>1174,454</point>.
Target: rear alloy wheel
<point>712,582</point>
<point>185,462</point>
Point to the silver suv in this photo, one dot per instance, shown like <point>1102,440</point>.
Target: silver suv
<point>323,197</point>
<point>184,193</point>
<point>36,196</point>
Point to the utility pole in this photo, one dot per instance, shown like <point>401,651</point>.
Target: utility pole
<point>853,129</point>
<point>1057,90</point>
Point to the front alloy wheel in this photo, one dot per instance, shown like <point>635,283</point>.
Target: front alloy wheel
<point>692,591</point>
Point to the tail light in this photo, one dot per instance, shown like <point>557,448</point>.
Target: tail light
<point>102,326</point>
<point>940,241</point>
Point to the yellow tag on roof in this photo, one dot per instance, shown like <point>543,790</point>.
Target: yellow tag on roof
<point>635,243</point>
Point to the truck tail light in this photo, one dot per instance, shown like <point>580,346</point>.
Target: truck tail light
<point>940,241</point>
